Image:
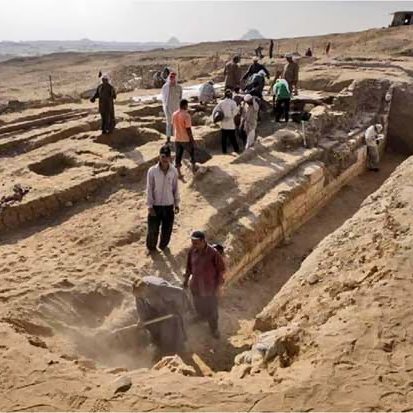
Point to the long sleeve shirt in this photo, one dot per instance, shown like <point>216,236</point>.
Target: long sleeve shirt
<point>171,97</point>
<point>372,137</point>
<point>232,73</point>
<point>162,188</point>
<point>229,108</point>
<point>249,117</point>
<point>291,73</point>
<point>207,268</point>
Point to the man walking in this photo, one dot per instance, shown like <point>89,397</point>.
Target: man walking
<point>171,96</point>
<point>205,274</point>
<point>162,200</point>
<point>106,94</point>
<point>229,109</point>
<point>249,119</point>
<point>232,73</point>
<point>290,74</point>
<point>184,140</point>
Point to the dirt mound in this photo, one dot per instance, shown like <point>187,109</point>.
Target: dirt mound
<point>362,269</point>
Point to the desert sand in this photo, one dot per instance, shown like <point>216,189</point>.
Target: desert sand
<point>318,249</point>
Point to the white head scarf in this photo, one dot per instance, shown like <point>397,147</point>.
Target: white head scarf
<point>379,127</point>
<point>248,98</point>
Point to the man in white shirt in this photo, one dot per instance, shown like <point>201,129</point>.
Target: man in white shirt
<point>171,96</point>
<point>162,199</point>
<point>373,137</point>
<point>229,109</point>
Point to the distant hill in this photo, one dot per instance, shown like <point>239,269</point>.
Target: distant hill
<point>42,47</point>
<point>252,34</point>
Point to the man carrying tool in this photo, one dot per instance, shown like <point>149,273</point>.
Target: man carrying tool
<point>161,308</point>
<point>204,275</point>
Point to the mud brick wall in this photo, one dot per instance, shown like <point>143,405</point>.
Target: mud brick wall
<point>285,210</point>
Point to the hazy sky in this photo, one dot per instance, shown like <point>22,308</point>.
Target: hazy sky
<point>190,21</point>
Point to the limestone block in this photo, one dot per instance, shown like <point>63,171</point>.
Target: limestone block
<point>175,365</point>
<point>314,171</point>
<point>291,208</point>
<point>281,342</point>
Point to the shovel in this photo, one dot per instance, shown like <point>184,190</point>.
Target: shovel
<point>142,325</point>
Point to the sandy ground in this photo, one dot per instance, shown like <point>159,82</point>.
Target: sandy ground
<point>66,277</point>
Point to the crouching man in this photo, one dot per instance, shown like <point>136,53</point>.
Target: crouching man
<point>205,275</point>
<point>161,308</point>
<point>373,137</point>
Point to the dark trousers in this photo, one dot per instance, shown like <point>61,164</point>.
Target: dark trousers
<point>207,309</point>
<point>282,107</point>
<point>229,134</point>
<point>180,148</point>
<point>164,219</point>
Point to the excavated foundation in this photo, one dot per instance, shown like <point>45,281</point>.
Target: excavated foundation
<point>296,173</point>
<point>87,318</point>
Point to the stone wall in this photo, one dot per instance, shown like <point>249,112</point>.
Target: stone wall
<point>293,202</point>
<point>400,132</point>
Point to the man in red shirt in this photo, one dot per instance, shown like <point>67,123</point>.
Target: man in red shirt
<point>184,140</point>
<point>205,274</point>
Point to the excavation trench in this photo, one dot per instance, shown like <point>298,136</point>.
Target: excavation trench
<point>86,321</point>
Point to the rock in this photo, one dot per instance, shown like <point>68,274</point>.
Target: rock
<point>116,370</point>
<point>240,371</point>
<point>86,364</point>
<point>281,342</point>
<point>175,365</point>
<point>313,279</point>
<point>243,358</point>
<point>68,204</point>
<point>37,342</point>
<point>122,384</point>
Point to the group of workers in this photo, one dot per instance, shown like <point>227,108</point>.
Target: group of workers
<point>163,305</point>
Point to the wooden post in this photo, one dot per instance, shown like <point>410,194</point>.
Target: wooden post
<point>51,87</point>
